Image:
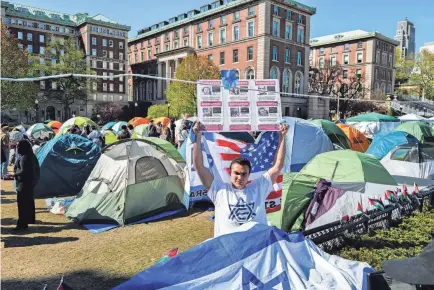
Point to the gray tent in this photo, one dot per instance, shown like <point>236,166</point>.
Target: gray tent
<point>133,179</point>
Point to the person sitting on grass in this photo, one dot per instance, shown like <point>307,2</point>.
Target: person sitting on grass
<point>238,202</point>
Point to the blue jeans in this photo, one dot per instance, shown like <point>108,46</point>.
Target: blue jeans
<point>5,164</point>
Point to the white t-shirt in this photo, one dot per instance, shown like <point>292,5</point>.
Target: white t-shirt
<point>234,207</point>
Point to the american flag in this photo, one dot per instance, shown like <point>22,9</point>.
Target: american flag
<point>260,154</point>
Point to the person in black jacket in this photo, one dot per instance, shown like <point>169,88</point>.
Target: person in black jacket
<point>26,177</point>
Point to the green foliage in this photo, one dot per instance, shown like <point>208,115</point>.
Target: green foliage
<point>15,64</point>
<point>406,240</point>
<point>402,67</point>
<point>182,96</point>
<point>423,77</point>
<point>156,111</point>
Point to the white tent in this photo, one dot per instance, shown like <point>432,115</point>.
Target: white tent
<point>411,117</point>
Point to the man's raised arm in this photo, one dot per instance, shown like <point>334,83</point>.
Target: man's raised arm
<point>205,176</point>
<point>274,171</point>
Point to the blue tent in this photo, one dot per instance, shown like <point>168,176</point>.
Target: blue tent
<point>304,141</point>
<point>108,126</point>
<point>255,257</point>
<point>66,163</point>
<point>384,142</point>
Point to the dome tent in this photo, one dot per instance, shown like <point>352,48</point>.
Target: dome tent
<point>371,124</point>
<point>357,140</point>
<point>79,121</point>
<point>133,179</point>
<point>420,130</point>
<point>336,135</point>
<point>384,142</point>
<point>66,163</point>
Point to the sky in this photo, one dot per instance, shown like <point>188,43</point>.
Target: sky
<point>333,16</point>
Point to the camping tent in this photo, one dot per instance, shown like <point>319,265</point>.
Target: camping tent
<point>164,121</point>
<point>411,117</point>
<point>40,130</point>
<point>109,137</point>
<point>358,141</point>
<point>420,130</point>
<point>132,180</point>
<point>348,170</point>
<point>140,132</point>
<point>55,125</point>
<point>136,121</point>
<point>118,126</point>
<point>66,163</point>
<point>336,135</point>
<point>79,121</point>
<point>371,124</point>
<point>384,142</point>
<point>108,126</point>
<point>414,160</point>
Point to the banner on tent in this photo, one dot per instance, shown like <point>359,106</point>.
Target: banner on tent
<point>218,152</point>
<point>252,105</point>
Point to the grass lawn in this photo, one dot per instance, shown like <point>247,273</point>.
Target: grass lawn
<point>55,247</point>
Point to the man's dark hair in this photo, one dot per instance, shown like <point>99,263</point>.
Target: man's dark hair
<point>151,121</point>
<point>130,126</point>
<point>124,127</point>
<point>241,161</point>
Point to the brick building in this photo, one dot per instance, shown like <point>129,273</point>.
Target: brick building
<point>103,40</point>
<point>259,38</point>
<point>369,55</point>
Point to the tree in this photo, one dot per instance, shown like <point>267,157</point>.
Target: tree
<point>107,111</point>
<point>403,68</point>
<point>156,111</point>
<point>64,56</point>
<point>332,80</point>
<point>182,96</point>
<point>423,75</point>
<point>15,64</point>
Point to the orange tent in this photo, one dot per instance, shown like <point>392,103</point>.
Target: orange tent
<point>358,141</point>
<point>136,121</point>
<point>163,120</point>
<point>55,125</point>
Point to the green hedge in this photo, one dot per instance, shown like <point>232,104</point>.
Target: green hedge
<point>405,240</point>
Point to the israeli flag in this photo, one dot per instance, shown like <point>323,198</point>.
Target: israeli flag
<point>255,257</point>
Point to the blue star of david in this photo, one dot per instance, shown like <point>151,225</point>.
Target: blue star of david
<point>249,278</point>
<point>242,212</point>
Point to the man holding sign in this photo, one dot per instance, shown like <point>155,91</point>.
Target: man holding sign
<point>240,201</point>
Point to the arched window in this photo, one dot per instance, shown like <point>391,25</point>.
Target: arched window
<point>237,72</point>
<point>377,87</point>
<point>287,81</point>
<point>299,83</point>
<point>250,74</point>
<point>383,88</point>
<point>389,89</point>
<point>274,73</point>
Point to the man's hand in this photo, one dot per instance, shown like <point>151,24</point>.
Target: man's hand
<point>196,127</point>
<point>283,130</point>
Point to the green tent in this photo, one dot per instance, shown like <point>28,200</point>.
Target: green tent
<point>372,117</point>
<point>133,179</point>
<point>167,147</point>
<point>420,130</point>
<point>336,135</point>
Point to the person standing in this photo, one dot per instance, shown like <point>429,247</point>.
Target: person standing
<point>123,133</point>
<point>238,202</point>
<point>96,137</point>
<point>26,178</point>
<point>6,150</point>
<point>172,130</point>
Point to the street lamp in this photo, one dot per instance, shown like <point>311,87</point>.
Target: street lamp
<point>135,107</point>
<point>168,110</point>
<point>36,110</point>
<point>73,115</point>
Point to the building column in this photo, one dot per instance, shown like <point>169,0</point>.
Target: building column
<point>160,82</point>
<point>168,75</point>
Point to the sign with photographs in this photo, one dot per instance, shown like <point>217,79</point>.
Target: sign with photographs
<point>253,105</point>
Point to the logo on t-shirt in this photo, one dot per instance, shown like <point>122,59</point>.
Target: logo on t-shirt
<point>242,212</point>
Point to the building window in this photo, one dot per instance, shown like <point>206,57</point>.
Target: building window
<point>251,29</point>
<point>110,54</point>
<point>359,57</point>
<point>300,19</point>
<point>41,60</point>
<point>222,58</point>
<point>359,45</point>
<point>299,60</point>
<point>250,53</point>
<point>288,15</point>
<point>250,75</point>
<point>286,81</point>
<point>111,65</point>
<point>321,50</point>
<point>104,42</point>
<point>121,66</point>
<point>104,64</point>
<point>222,35</point>
<point>20,35</point>
<point>334,49</point>
<point>377,57</point>
<point>251,11</point>
<point>111,87</point>
<point>211,24</point>
<point>30,48</point>
<point>223,19</point>
<point>93,40</point>
<point>94,63</point>
<point>41,50</point>
<point>210,39</point>
<point>20,46</point>
<point>185,42</point>
<point>199,27</point>
<point>276,28</point>
<point>235,56</point>
<point>346,46</point>
<point>274,56</point>
<point>333,61</point>
<point>298,83</point>
<point>300,34</point>
<point>29,36</point>
<point>104,53</point>
<point>288,29</point>
<point>287,55</point>
<point>53,85</point>
<point>157,48</point>
<point>276,11</point>
<point>210,57</point>
<point>121,55</point>
<point>346,59</point>
<point>121,88</point>
<point>390,60</point>
<point>121,45</point>
<point>104,87</point>
<point>273,73</point>
<point>321,62</point>
<point>359,73</point>
<point>42,85</point>
<point>94,86</point>
<point>166,47</point>
<point>199,41</point>
<point>237,15</point>
<point>53,61</point>
<point>236,33</point>
<point>345,74</point>
<point>175,44</point>
<point>111,43</point>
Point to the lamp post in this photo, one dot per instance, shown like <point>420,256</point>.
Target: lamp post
<point>135,109</point>
<point>36,110</point>
<point>98,117</point>
<point>168,110</point>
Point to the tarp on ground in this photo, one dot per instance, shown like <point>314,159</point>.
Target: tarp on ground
<point>66,163</point>
<point>255,257</point>
<point>358,141</point>
<point>336,135</point>
<point>384,142</point>
<point>371,124</point>
<point>420,130</point>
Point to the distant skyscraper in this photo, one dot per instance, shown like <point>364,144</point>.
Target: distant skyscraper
<point>406,35</point>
